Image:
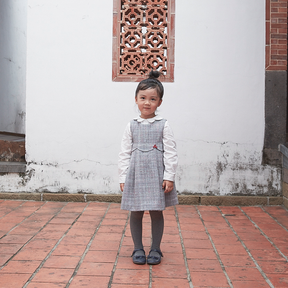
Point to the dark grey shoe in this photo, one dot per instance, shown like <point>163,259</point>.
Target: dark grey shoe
<point>139,260</point>
<point>154,260</point>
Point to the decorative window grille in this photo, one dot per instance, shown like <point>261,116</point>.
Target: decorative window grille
<point>143,39</point>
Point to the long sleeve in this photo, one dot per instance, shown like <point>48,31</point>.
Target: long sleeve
<point>125,154</point>
<point>170,153</point>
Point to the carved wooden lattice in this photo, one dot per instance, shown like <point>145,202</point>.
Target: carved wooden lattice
<point>143,29</point>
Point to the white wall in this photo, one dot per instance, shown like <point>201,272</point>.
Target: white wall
<point>12,65</point>
<point>76,115</point>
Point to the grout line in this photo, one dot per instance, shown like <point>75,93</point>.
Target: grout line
<point>275,219</point>
<point>150,266</point>
<point>55,246</point>
<point>270,241</point>
<point>247,250</point>
<point>215,250</point>
<point>183,249</point>
<point>150,276</point>
<point>88,245</point>
<point>118,252</point>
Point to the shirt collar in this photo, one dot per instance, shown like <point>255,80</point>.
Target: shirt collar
<point>150,120</point>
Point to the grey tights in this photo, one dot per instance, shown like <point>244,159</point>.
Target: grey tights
<point>157,227</point>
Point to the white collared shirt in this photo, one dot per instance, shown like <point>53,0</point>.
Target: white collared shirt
<point>170,152</point>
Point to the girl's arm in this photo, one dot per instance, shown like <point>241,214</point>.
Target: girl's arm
<point>124,155</point>
<point>170,154</point>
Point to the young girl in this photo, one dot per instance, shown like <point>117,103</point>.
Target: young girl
<point>147,166</point>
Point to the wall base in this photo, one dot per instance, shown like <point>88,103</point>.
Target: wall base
<point>183,199</point>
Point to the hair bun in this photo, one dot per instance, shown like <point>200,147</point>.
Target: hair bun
<point>154,74</point>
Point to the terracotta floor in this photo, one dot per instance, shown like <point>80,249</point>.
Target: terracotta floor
<point>51,244</point>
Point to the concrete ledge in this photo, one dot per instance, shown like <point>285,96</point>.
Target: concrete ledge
<point>285,189</point>
<point>115,198</point>
<point>21,196</point>
<point>183,199</point>
<point>285,202</point>
<point>63,197</point>
<point>189,199</point>
<point>240,200</point>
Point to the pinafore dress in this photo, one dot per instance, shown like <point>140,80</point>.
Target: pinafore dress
<point>143,185</point>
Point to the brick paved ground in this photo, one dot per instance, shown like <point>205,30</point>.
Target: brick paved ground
<point>56,244</point>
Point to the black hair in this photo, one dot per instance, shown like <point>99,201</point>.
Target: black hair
<point>151,83</point>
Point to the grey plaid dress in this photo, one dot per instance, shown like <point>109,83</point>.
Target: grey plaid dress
<point>143,185</point>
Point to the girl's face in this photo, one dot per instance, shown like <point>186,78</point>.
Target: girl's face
<point>148,101</point>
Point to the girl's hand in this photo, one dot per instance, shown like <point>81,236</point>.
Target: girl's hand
<point>121,187</point>
<point>168,186</point>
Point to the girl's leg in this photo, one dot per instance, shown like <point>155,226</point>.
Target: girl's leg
<point>136,230</point>
<point>157,223</point>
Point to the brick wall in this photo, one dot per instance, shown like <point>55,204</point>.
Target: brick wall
<point>276,35</point>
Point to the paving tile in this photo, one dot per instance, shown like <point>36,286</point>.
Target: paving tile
<point>62,262</point>
<point>169,283</point>
<point>111,229</point>
<point>248,284</point>
<point>192,227</point>
<point>201,254</point>
<point>20,267</point>
<point>204,265</point>
<point>209,279</point>
<point>128,286</point>
<point>243,273</point>
<point>13,280</point>
<point>106,245</point>
<point>258,245</point>
<point>15,239</point>
<point>170,238</point>
<point>80,240</point>
<point>195,235</point>
<point>10,248</point>
<point>41,243</point>
<point>31,254</point>
<point>72,249</point>
<point>97,256</point>
<point>266,255</point>
<point>127,263</point>
<point>237,261</point>
<point>84,281</point>
<point>278,267</point>
<point>227,240</point>
<point>4,258</point>
<point>80,232</point>
<point>236,249</point>
<point>53,275</point>
<point>196,244</point>
<point>60,220</point>
<point>95,269</point>
<point>107,236</point>
<point>46,285</point>
<point>171,248</point>
<point>131,277</point>
<point>173,258</point>
<point>49,234</point>
<point>169,271</point>
<point>278,280</point>
<point>25,231</point>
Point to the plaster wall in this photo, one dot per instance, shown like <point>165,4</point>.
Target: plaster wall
<point>12,65</point>
<point>76,115</point>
